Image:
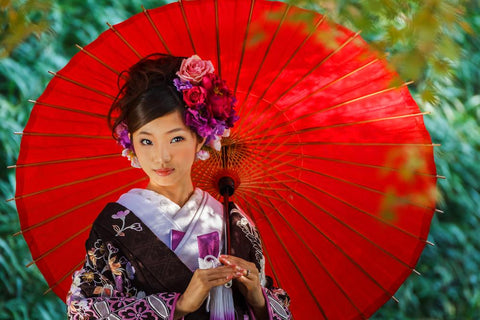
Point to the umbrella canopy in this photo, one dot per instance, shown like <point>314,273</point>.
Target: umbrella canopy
<point>330,156</point>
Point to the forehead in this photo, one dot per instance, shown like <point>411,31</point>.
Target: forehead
<point>164,124</point>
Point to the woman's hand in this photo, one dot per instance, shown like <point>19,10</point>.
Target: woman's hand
<point>247,277</point>
<point>199,287</point>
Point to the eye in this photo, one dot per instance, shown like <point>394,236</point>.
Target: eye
<point>146,142</point>
<point>177,139</point>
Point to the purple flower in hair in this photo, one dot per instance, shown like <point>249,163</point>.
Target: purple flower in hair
<point>181,84</point>
<point>195,120</point>
<point>122,135</point>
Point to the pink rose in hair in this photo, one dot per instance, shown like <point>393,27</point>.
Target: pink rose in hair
<point>195,97</point>
<point>194,69</point>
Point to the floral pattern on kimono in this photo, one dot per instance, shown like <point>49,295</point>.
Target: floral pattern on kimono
<point>130,274</point>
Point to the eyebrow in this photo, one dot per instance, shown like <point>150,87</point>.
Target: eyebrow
<point>168,132</point>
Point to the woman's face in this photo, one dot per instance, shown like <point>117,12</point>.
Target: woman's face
<point>166,149</point>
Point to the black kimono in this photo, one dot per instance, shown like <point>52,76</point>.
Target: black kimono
<point>130,273</point>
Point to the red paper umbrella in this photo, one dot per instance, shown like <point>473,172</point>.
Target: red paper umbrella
<point>331,157</point>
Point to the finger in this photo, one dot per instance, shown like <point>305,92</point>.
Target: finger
<point>232,260</point>
<point>243,267</point>
<point>219,282</point>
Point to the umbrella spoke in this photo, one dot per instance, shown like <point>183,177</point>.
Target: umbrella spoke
<point>154,26</point>
<point>62,77</point>
<point>287,108</point>
<point>97,115</point>
<point>187,25</point>
<point>341,104</point>
<point>249,90</point>
<point>369,165</point>
<point>69,273</point>
<point>261,172</point>
<point>63,135</point>
<point>115,31</point>
<point>93,200</point>
<point>357,185</point>
<point>318,259</point>
<point>336,50</point>
<point>295,52</point>
<point>357,209</point>
<point>23,196</point>
<point>59,245</point>
<point>339,249</point>
<point>369,144</point>
<point>62,161</point>
<point>257,165</point>
<point>217,32</point>
<point>244,45</point>
<point>255,195</point>
<point>338,125</point>
<point>282,243</point>
<point>103,63</point>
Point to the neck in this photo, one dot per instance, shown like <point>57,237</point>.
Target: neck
<point>178,194</point>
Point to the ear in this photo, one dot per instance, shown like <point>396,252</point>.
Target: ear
<point>200,144</point>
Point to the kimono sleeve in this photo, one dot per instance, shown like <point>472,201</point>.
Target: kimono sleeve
<point>103,288</point>
<point>277,299</point>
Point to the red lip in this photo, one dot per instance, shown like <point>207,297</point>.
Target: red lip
<point>164,172</point>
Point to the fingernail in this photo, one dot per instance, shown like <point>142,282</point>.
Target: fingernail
<point>230,277</point>
<point>239,269</point>
<point>238,274</point>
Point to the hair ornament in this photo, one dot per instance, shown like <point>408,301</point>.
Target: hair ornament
<point>210,103</point>
<point>209,107</point>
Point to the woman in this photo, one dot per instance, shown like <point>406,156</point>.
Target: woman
<point>155,253</point>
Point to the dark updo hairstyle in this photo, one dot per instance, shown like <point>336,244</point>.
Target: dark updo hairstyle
<point>148,92</point>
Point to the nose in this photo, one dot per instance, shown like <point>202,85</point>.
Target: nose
<point>163,154</point>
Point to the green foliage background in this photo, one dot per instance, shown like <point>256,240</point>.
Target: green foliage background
<point>433,42</point>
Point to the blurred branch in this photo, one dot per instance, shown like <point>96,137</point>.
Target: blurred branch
<point>19,20</point>
<point>419,35</point>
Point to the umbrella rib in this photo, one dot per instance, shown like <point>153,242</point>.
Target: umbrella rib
<point>339,105</point>
<point>115,31</point>
<point>319,22</point>
<point>367,165</point>
<point>360,210</point>
<point>254,194</point>
<point>287,108</point>
<point>282,243</point>
<point>62,77</point>
<point>187,25</point>
<point>369,144</point>
<point>23,196</point>
<point>217,31</point>
<point>154,26</point>
<point>23,165</point>
<point>256,165</point>
<point>69,273</point>
<point>359,186</point>
<point>346,124</point>
<point>103,63</point>
<point>260,172</point>
<point>317,258</point>
<point>66,135</point>
<point>338,247</point>
<point>97,115</point>
<point>58,246</point>
<point>266,182</point>
<point>272,40</point>
<point>61,214</point>
<point>350,39</point>
<point>244,44</point>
